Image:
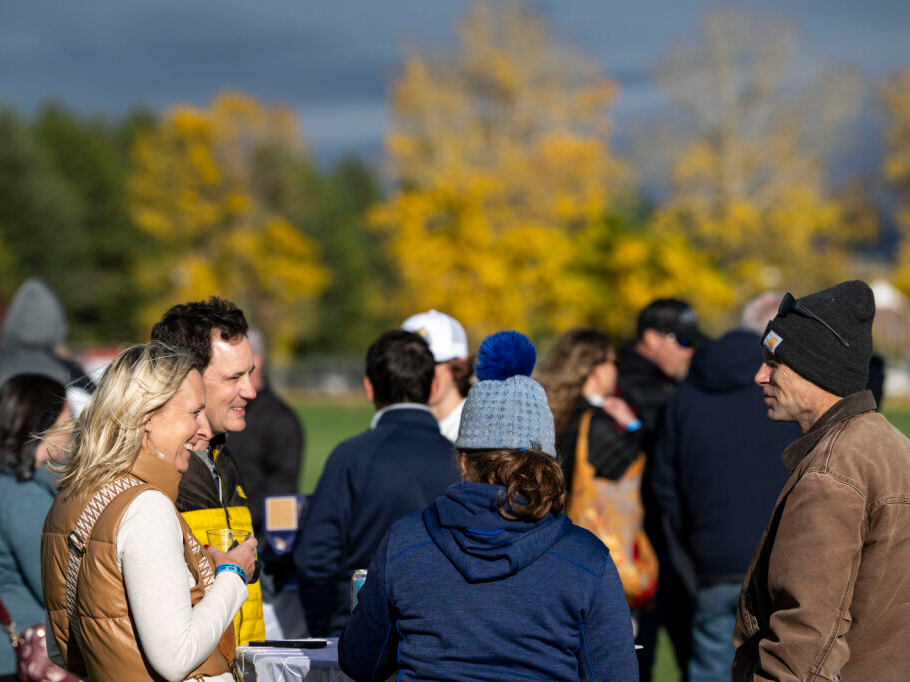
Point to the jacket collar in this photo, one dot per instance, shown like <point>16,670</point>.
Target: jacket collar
<point>843,409</point>
<point>401,412</point>
<point>158,473</point>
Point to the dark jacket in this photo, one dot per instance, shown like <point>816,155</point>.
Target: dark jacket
<point>461,593</point>
<point>716,466</point>
<point>646,388</point>
<point>827,596</point>
<point>268,452</point>
<point>369,482</point>
<point>23,506</point>
<point>610,449</point>
<point>198,489</point>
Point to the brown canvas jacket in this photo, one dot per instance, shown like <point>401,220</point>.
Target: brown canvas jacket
<point>827,596</point>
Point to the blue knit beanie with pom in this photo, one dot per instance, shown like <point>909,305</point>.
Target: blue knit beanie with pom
<point>506,409</point>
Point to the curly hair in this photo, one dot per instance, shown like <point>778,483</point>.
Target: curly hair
<point>566,368</point>
<point>533,480</point>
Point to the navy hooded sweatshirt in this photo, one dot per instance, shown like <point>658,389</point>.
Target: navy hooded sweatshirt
<point>458,592</point>
<point>717,470</point>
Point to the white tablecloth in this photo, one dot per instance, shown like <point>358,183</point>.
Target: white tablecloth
<point>278,664</point>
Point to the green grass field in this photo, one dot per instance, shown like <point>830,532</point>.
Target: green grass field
<point>327,424</point>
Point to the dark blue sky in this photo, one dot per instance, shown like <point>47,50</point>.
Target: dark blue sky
<point>335,61</point>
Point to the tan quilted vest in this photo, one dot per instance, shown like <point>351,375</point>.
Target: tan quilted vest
<point>110,649</point>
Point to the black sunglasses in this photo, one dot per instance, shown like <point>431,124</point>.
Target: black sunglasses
<point>790,305</point>
<point>683,341</point>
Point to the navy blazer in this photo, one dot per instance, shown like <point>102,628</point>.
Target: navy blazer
<point>399,466</point>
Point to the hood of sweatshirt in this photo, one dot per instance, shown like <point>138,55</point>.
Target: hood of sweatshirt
<point>728,363</point>
<point>35,319</point>
<point>483,545</point>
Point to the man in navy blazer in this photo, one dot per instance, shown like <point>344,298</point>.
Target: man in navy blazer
<point>401,464</point>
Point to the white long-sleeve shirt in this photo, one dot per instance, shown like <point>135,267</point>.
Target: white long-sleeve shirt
<point>175,636</point>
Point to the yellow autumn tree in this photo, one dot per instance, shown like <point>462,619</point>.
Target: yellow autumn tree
<point>195,190</point>
<point>501,159</point>
<point>747,178</point>
<point>896,166</point>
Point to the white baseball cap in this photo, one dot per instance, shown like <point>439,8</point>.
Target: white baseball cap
<point>443,333</point>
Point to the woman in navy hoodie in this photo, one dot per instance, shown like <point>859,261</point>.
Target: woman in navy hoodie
<point>492,581</point>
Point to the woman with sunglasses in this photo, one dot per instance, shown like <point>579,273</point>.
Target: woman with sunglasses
<point>598,436</point>
<point>579,375</point>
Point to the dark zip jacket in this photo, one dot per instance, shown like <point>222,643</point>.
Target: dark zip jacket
<point>716,470</point>
<point>459,592</point>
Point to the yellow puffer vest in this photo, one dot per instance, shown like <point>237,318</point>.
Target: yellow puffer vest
<point>199,503</point>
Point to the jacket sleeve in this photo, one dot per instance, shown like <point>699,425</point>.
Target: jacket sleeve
<point>367,644</point>
<point>610,450</point>
<point>811,576</point>
<point>607,650</point>
<point>319,546</point>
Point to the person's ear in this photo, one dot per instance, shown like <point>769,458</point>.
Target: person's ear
<point>368,389</point>
<point>464,465</point>
<point>434,389</point>
<point>651,338</point>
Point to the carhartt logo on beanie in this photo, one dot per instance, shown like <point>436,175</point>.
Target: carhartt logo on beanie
<point>814,351</point>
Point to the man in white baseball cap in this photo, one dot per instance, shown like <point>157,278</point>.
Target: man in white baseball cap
<point>449,345</point>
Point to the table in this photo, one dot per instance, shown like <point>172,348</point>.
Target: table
<point>277,664</point>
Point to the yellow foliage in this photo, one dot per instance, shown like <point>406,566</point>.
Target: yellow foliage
<point>503,164</point>
<point>192,190</point>
<point>747,184</point>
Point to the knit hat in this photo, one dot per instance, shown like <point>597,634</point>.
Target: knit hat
<point>826,337</point>
<point>506,409</point>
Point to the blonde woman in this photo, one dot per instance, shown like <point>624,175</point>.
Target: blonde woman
<point>144,600</point>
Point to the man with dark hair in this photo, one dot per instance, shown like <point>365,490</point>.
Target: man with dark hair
<point>649,369</point>
<point>399,465</point>
<point>211,493</point>
<point>826,595</point>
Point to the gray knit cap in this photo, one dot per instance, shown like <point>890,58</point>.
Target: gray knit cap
<point>506,409</point>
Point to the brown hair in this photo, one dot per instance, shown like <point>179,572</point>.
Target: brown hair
<point>533,480</point>
<point>566,368</point>
<point>462,374</point>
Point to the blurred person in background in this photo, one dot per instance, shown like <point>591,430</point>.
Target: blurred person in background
<point>30,406</point>
<point>269,455</point>
<point>269,450</point>
<point>649,369</point>
<point>598,436</point>
<point>144,600</point>
<point>35,328</point>
<point>449,345</point>
<point>716,477</point>
<point>399,465</point>
<point>491,581</point>
<point>579,376</point>
<point>212,492</point>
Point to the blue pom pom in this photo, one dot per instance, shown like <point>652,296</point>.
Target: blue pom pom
<point>503,355</point>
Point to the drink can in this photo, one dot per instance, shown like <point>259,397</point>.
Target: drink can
<point>357,580</point>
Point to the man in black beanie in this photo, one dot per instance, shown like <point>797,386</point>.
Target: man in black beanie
<point>827,596</point>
